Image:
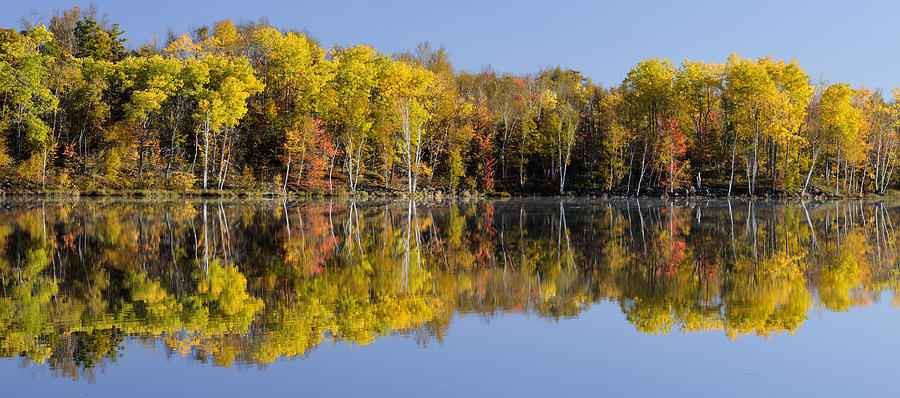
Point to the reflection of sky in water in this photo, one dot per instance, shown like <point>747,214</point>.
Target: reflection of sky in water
<point>616,299</point>
<point>599,353</point>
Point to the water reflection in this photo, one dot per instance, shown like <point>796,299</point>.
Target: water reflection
<point>248,283</point>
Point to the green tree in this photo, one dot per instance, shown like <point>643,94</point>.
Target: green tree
<point>24,82</point>
<point>150,81</point>
<point>95,41</point>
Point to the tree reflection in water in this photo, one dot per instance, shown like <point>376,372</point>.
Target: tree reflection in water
<point>239,283</point>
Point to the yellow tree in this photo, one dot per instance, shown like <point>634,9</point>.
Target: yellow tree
<point>222,101</point>
<point>445,107</point>
<point>568,88</point>
<point>150,80</point>
<point>750,93</point>
<point>295,73</point>
<point>352,99</point>
<point>840,119</point>
<point>531,95</point>
<point>647,93</point>
<point>184,51</point>
<point>891,156</point>
<point>616,139</point>
<point>405,85</point>
<point>789,109</point>
<point>881,141</point>
<point>698,90</point>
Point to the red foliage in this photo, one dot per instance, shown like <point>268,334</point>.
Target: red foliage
<point>319,158</point>
<point>670,243</point>
<point>483,245</point>
<point>484,150</point>
<point>670,149</point>
<point>310,151</point>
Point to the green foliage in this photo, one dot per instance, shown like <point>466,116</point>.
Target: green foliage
<point>96,42</point>
<point>23,83</point>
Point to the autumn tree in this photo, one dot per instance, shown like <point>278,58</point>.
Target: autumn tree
<point>352,100</point>
<point>27,97</point>
<point>669,150</point>
<point>750,94</point>
<point>789,113</point>
<point>530,95</point>
<point>568,90</point>
<point>295,74</point>
<point>648,90</point>
<point>221,102</point>
<point>96,41</point>
<point>406,86</point>
<point>698,89</point>
<point>840,119</point>
<point>149,81</point>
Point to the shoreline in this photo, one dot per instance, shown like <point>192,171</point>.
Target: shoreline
<point>430,193</point>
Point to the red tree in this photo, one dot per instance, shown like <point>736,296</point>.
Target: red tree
<point>670,149</point>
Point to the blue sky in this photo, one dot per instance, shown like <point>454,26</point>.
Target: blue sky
<point>838,41</point>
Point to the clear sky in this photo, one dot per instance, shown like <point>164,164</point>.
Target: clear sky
<point>838,41</point>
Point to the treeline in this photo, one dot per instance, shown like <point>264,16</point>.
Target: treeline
<point>248,106</point>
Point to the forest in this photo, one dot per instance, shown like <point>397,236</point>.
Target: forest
<point>250,107</point>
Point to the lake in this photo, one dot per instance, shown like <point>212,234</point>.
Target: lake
<point>522,297</point>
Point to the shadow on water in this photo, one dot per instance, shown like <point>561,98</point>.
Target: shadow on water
<point>247,283</point>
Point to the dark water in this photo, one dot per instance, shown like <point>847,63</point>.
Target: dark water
<point>501,298</point>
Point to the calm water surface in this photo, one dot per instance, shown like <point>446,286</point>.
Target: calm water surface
<point>468,298</point>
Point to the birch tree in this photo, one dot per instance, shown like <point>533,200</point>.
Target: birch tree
<point>352,100</point>
<point>406,86</point>
<point>648,93</point>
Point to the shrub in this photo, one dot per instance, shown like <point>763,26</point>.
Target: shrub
<point>470,183</point>
<point>456,169</point>
<point>180,180</point>
<point>63,180</point>
<point>30,170</point>
<point>247,180</point>
<point>5,159</point>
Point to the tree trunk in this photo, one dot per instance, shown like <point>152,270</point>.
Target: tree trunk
<point>809,174</point>
<point>44,171</point>
<point>330,170</point>
<point>755,164</point>
<point>671,171</point>
<point>287,173</point>
<point>837,174</point>
<point>141,152</point>
<point>733,151</point>
<point>643,167</point>
<point>222,164</point>
<point>173,145</point>
<point>206,151</point>
<point>630,172</point>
